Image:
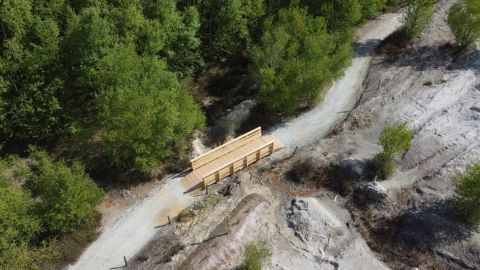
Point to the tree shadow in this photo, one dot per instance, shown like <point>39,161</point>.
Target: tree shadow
<point>366,48</point>
<point>426,227</point>
<point>445,56</point>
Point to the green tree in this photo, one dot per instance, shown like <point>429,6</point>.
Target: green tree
<point>227,26</point>
<point>464,20</point>
<point>416,16</point>
<point>172,34</point>
<point>395,140</point>
<point>467,190</point>
<point>341,14</point>
<point>88,38</point>
<point>145,115</point>
<point>19,224</point>
<point>297,59</point>
<point>31,109</point>
<point>371,8</point>
<point>68,195</point>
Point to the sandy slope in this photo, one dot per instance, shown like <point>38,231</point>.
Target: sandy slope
<point>136,228</point>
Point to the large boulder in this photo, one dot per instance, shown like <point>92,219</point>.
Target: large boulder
<point>228,126</point>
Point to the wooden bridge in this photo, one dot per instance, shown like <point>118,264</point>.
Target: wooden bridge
<point>229,158</point>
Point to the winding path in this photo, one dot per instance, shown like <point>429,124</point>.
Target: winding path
<point>136,228</point>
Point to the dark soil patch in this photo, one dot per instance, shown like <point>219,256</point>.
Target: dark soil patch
<point>394,43</point>
<point>223,85</point>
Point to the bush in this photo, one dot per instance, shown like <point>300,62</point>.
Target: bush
<point>464,19</point>
<point>383,164</point>
<point>254,255</point>
<point>68,195</point>
<point>394,140</point>
<point>467,190</point>
<point>416,16</point>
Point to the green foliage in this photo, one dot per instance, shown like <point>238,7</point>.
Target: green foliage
<point>140,122</point>
<point>395,140</point>
<point>383,164</point>
<point>227,26</point>
<point>416,15</point>
<point>87,40</point>
<point>20,222</point>
<point>68,195</point>
<point>30,109</point>
<point>464,19</point>
<point>297,59</point>
<point>254,255</point>
<point>52,88</point>
<point>341,14</point>
<point>467,190</point>
<point>371,8</point>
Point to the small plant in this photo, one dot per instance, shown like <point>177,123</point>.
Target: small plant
<point>416,16</point>
<point>467,194</point>
<point>464,20</point>
<point>395,140</point>
<point>254,255</point>
<point>383,164</point>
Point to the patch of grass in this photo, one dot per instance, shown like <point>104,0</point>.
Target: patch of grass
<point>254,255</point>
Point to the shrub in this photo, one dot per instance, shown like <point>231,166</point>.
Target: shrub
<point>394,140</point>
<point>464,19</point>
<point>254,255</point>
<point>416,15</point>
<point>68,195</point>
<point>383,165</point>
<point>467,190</point>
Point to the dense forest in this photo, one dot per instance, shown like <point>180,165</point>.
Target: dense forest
<point>94,87</point>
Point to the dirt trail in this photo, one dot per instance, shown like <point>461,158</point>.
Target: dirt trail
<point>136,228</point>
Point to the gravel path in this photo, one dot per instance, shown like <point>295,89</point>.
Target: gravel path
<point>136,227</point>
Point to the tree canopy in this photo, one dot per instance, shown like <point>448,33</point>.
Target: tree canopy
<point>296,59</point>
<point>144,114</point>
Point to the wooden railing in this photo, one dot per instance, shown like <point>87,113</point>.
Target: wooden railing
<point>226,148</point>
<point>238,164</point>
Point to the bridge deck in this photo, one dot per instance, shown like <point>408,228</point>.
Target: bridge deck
<point>194,180</point>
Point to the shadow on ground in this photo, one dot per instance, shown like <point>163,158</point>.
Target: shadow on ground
<point>426,227</point>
